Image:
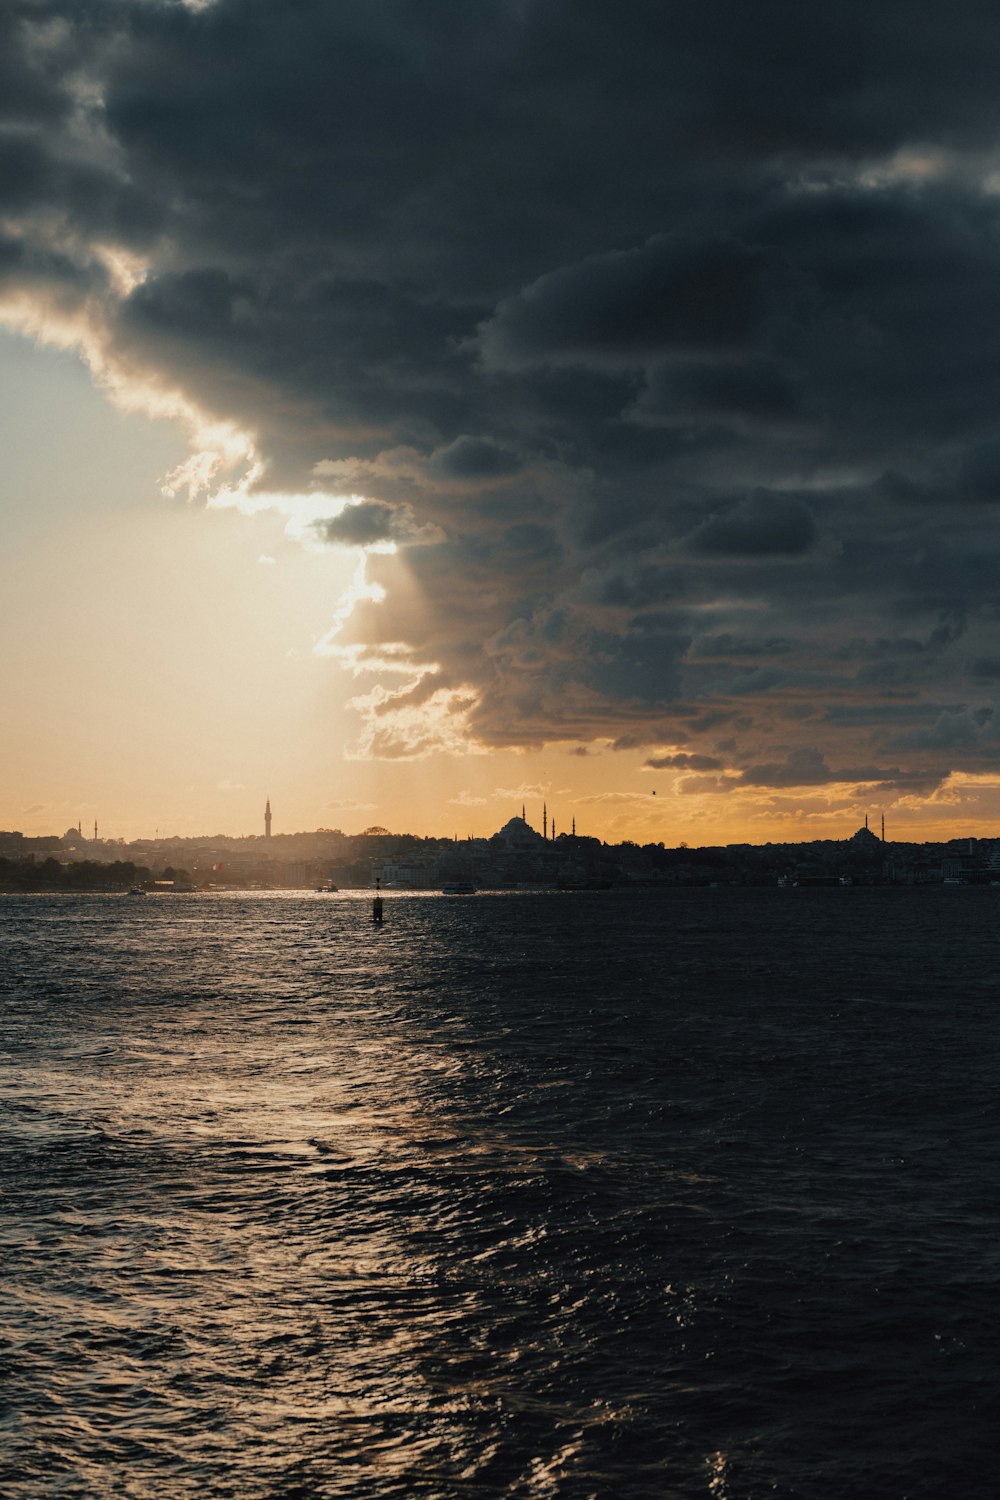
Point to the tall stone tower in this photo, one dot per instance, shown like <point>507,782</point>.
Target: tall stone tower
<point>267,819</point>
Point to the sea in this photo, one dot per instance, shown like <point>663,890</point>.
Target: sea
<point>677,1193</point>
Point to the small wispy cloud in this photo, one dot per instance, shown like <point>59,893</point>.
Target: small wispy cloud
<point>617,799</point>
<point>526,789</point>
<point>230,786</point>
<point>266,561</point>
<point>467,799</point>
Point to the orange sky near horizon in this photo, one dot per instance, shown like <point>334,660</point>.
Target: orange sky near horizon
<point>161,674</point>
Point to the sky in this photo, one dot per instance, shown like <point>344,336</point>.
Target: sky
<point>410,411</point>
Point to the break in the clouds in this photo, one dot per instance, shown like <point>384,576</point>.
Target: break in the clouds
<point>656,347</point>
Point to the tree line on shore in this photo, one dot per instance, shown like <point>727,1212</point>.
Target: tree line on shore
<point>85,875</point>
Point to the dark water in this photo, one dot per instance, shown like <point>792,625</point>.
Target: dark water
<point>688,1194</point>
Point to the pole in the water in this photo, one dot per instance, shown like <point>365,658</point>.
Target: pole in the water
<point>377,903</point>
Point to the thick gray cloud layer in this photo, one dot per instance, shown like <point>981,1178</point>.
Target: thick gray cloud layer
<point>669,334</point>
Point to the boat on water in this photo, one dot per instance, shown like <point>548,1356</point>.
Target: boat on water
<point>458,888</point>
<point>326,888</point>
<point>135,890</point>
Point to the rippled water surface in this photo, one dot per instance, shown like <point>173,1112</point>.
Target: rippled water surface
<point>679,1194</point>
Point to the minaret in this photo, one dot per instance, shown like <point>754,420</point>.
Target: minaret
<point>574,828</point>
<point>95,830</point>
<point>545,820</point>
<point>883,828</point>
<point>523,818</point>
<point>267,819</point>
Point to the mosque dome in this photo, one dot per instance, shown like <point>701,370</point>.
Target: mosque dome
<point>517,834</point>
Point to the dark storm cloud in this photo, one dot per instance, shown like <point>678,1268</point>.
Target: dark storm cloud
<point>955,730</point>
<point>368,523</point>
<point>681,761</point>
<point>473,458</point>
<point>669,332</point>
<point>807,767</point>
<point>626,308</point>
<point>34,56</point>
<point>753,392</point>
<point>726,646</point>
<point>979,476</point>
<point>761,525</point>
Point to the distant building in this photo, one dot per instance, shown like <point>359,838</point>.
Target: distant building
<point>517,834</point>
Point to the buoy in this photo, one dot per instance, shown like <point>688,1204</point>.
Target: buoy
<point>377,903</point>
